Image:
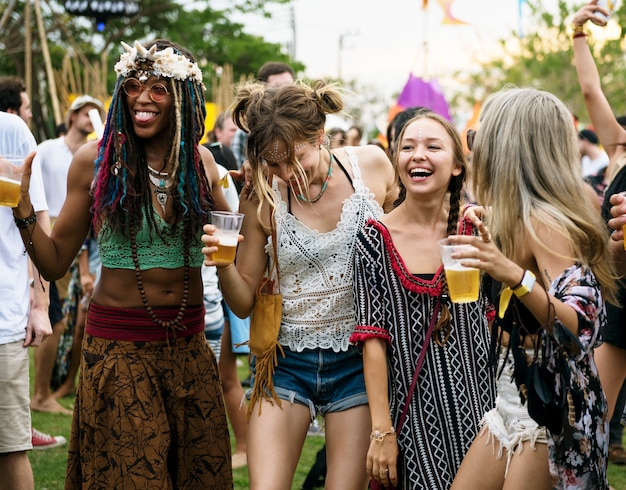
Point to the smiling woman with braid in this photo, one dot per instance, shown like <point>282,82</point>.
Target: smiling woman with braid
<point>403,308</point>
<point>149,411</point>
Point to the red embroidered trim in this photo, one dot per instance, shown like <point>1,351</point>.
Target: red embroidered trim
<point>410,282</point>
<point>364,333</point>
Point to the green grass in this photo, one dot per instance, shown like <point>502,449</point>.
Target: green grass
<point>49,465</point>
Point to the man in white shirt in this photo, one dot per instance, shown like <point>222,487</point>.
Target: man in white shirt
<point>22,324</point>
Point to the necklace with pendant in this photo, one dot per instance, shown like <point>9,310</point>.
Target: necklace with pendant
<point>324,185</point>
<point>161,185</point>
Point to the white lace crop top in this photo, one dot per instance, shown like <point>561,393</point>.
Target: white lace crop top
<point>316,271</point>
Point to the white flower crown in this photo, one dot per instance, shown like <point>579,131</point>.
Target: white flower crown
<point>147,63</point>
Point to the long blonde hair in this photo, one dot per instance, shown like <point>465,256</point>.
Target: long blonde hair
<point>527,169</point>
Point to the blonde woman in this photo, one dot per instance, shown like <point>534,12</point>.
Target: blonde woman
<point>545,249</point>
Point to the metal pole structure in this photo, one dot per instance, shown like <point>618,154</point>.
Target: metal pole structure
<point>58,118</point>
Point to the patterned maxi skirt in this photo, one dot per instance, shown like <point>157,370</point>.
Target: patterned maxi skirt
<point>148,415</point>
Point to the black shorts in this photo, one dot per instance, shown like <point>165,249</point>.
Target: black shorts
<point>55,310</point>
<point>614,332</point>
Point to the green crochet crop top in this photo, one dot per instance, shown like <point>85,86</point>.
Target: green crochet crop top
<point>153,250</point>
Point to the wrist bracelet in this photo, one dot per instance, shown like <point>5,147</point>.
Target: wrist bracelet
<point>23,223</point>
<point>578,31</point>
<point>526,286</point>
<point>380,436</point>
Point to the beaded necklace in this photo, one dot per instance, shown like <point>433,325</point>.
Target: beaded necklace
<point>161,185</point>
<point>324,185</point>
<point>176,323</point>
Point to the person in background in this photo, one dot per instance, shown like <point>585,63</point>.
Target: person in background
<point>314,200</point>
<point>225,128</point>
<point>149,411</point>
<point>25,324</point>
<point>395,127</point>
<point>84,271</point>
<point>14,98</point>
<point>593,158</point>
<point>337,137</point>
<point>398,294</point>
<point>220,323</point>
<point>60,130</point>
<point>354,136</point>
<point>274,74</point>
<point>610,357</point>
<point>546,262</point>
<point>55,156</point>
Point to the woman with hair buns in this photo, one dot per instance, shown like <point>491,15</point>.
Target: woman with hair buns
<point>149,411</point>
<point>315,200</point>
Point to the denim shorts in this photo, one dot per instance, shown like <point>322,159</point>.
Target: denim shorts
<point>322,379</point>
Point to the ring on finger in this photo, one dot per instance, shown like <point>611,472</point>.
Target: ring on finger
<point>486,237</point>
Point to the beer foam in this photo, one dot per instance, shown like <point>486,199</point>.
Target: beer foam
<point>228,240</point>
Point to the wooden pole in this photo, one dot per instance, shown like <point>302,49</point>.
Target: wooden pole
<point>28,51</point>
<point>58,118</point>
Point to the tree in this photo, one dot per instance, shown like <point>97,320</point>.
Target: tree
<point>207,32</point>
<point>544,59</point>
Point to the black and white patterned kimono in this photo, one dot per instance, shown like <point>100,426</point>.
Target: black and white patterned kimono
<point>456,385</point>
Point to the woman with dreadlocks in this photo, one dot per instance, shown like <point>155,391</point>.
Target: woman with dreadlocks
<point>403,308</point>
<point>149,410</point>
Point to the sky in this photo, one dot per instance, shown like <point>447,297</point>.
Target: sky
<point>385,41</point>
<point>379,44</point>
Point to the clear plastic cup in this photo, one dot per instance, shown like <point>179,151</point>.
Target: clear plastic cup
<point>11,170</point>
<point>227,226</point>
<point>463,282</point>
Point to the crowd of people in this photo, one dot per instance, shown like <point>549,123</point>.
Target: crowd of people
<point>416,389</point>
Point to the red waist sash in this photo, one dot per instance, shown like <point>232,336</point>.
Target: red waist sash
<point>135,324</point>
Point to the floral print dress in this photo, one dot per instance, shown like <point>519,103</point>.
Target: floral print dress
<point>578,456</point>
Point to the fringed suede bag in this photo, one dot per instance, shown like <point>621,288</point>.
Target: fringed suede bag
<point>264,329</point>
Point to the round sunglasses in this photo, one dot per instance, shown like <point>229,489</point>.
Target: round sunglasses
<point>133,88</point>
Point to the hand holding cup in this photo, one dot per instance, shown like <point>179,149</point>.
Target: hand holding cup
<point>226,227</point>
<point>463,282</point>
<point>11,171</point>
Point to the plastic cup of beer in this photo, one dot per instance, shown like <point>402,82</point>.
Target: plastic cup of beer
<point>227,226</point>
<point>463,282</point>
<point>11,169</point>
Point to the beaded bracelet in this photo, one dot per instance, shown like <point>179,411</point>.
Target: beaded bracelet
<point>23,223</point>
<point>380,436</point>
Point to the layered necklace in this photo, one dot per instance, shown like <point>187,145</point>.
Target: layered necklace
<point>161,184</point>
<point>324,185</point>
